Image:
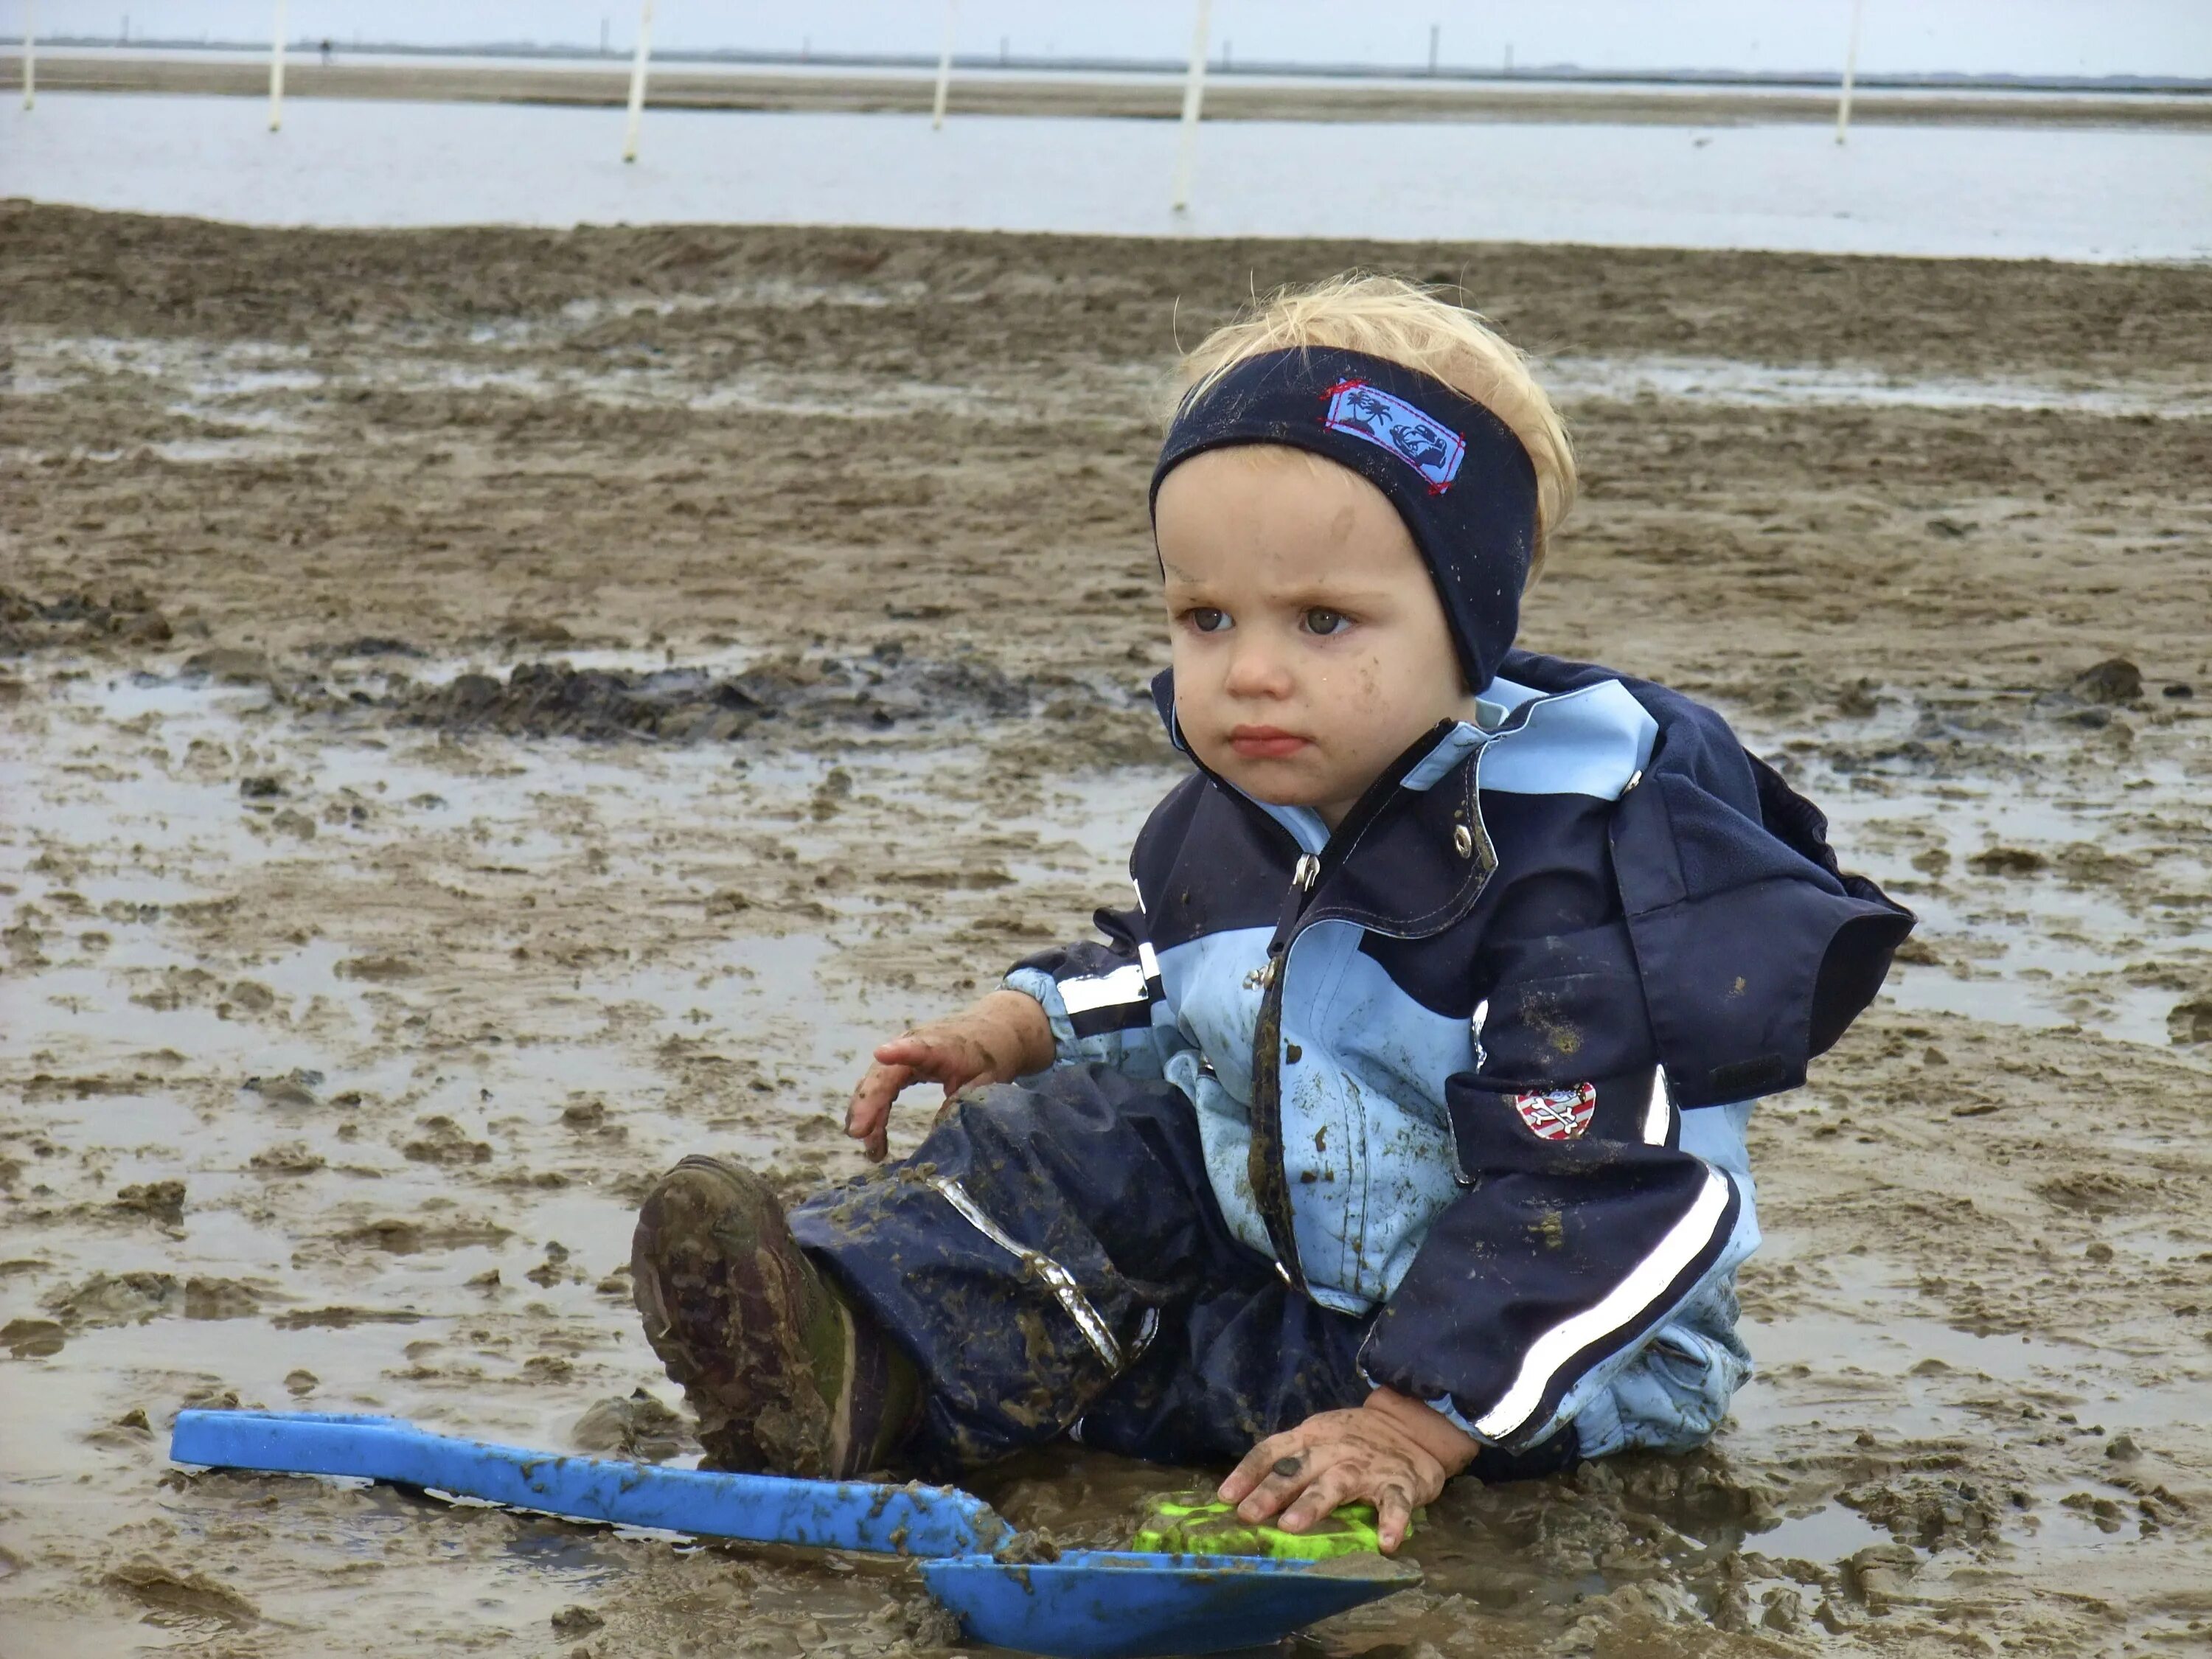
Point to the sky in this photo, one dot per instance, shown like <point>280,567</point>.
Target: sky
<point>2021,36</point>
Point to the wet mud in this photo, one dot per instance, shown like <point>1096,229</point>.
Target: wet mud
<point>489,713</point>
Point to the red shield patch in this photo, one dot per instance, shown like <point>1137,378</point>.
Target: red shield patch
<point>1559,1114</point>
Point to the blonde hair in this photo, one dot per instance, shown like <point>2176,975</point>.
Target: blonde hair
<point>1410,324</point>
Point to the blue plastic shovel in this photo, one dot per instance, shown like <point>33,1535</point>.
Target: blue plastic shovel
<point>1089,1604</point>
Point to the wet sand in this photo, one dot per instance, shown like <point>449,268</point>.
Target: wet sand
<point>491,711</point>
<point>1159,97</point>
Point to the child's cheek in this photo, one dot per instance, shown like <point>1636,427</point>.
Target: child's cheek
<point>1356,687</point>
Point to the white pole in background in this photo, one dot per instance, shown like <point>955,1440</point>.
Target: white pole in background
<point>277,72</point>
<point>1850,72</point>
<point>1194,94</point>
<point>30,55</point>
<point>944,68</point>
<point>637,81</point>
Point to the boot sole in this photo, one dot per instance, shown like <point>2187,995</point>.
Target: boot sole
<point>722,1288</point>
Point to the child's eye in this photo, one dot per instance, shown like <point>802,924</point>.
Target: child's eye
<point>1205,619</point>
<point>1326,622</point>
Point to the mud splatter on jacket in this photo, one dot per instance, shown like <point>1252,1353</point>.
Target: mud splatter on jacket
<point>1483,1057</point>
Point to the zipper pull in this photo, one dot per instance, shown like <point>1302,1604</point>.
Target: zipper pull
<point>1304,875</point>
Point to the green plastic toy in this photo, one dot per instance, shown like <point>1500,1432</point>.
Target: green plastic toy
<point>1195,1523</point>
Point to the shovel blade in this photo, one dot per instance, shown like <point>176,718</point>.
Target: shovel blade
<point>1114,1604</point>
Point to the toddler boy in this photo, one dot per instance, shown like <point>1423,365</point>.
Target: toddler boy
<point>1397,1129</point>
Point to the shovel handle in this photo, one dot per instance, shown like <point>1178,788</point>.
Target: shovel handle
<point>762,1508</point>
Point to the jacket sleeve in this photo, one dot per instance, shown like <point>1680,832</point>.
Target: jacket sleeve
<point>1104,1000</point>
<point>1755,947</point>
<point>1586,1236</point>
<point>1672,1393</point>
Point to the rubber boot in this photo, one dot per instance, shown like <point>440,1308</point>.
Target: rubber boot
<point>787,1377</point>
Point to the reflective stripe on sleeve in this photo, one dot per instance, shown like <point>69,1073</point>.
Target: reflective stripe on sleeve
<point>1628,1300</point>
<point>1659,1110</point>
<point>1122,987</point>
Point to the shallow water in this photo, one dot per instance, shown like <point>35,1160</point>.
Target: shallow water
<point>2051,858</point>
<point>261,401</point>
<point>616,63</point>
<point>1768,386</point>
<point>2010,192</point>
<point>347,1253</point>
<point>396,1170</point>
<point>294,997</point>
<point>2114,877</point>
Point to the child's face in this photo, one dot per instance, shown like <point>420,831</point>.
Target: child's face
<point>1309,646</point>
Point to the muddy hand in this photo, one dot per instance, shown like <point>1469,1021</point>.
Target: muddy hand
<point>1381,1454</point>
<point>1004,1036</point>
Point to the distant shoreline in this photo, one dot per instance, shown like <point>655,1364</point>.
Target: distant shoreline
<point>778,85</point>
<point>1030,66</point>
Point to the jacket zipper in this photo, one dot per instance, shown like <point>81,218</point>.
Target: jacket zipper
<point>1264,1165</point>
<point>1266,1168</point>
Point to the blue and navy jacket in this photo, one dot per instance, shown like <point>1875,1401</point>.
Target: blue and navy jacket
<point>1480,1062</point>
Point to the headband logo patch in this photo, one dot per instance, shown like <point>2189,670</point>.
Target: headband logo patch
<point>1430,447</point>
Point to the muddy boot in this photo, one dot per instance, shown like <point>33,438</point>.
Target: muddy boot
<point>787,1377</point>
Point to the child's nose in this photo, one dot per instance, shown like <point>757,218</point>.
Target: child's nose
<point>1257,670</point>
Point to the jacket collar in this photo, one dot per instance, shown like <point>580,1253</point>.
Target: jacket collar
<point>1433,757</point>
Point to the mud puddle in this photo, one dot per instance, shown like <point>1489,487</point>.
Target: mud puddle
<point>410,1132</point>
<point>1732,382</point>
<point>398,1134</point>
<point>245,399</point>
<point>300,392</point>
<point>315,1019</point>
<point>616,692</point>
<point>2046,840</point>
<point>2049,839</point>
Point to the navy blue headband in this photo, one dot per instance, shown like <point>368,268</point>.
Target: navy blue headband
<point>1458,476</point>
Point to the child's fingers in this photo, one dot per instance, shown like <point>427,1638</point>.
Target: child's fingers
<point>909,1049</point>
<point>1337,1483</point>
<point>915,1057</point>
<point>1393,1514</point>
<point>932,1059</point>
<point>873,1094</point>
<point>1253,1469</point>
<point>1280,1483</point>
<point>871,1105</point>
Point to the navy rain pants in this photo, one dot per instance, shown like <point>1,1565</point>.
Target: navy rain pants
<point>1053,1259</point>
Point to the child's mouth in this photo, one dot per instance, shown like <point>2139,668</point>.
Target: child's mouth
<point>1265,742</point>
